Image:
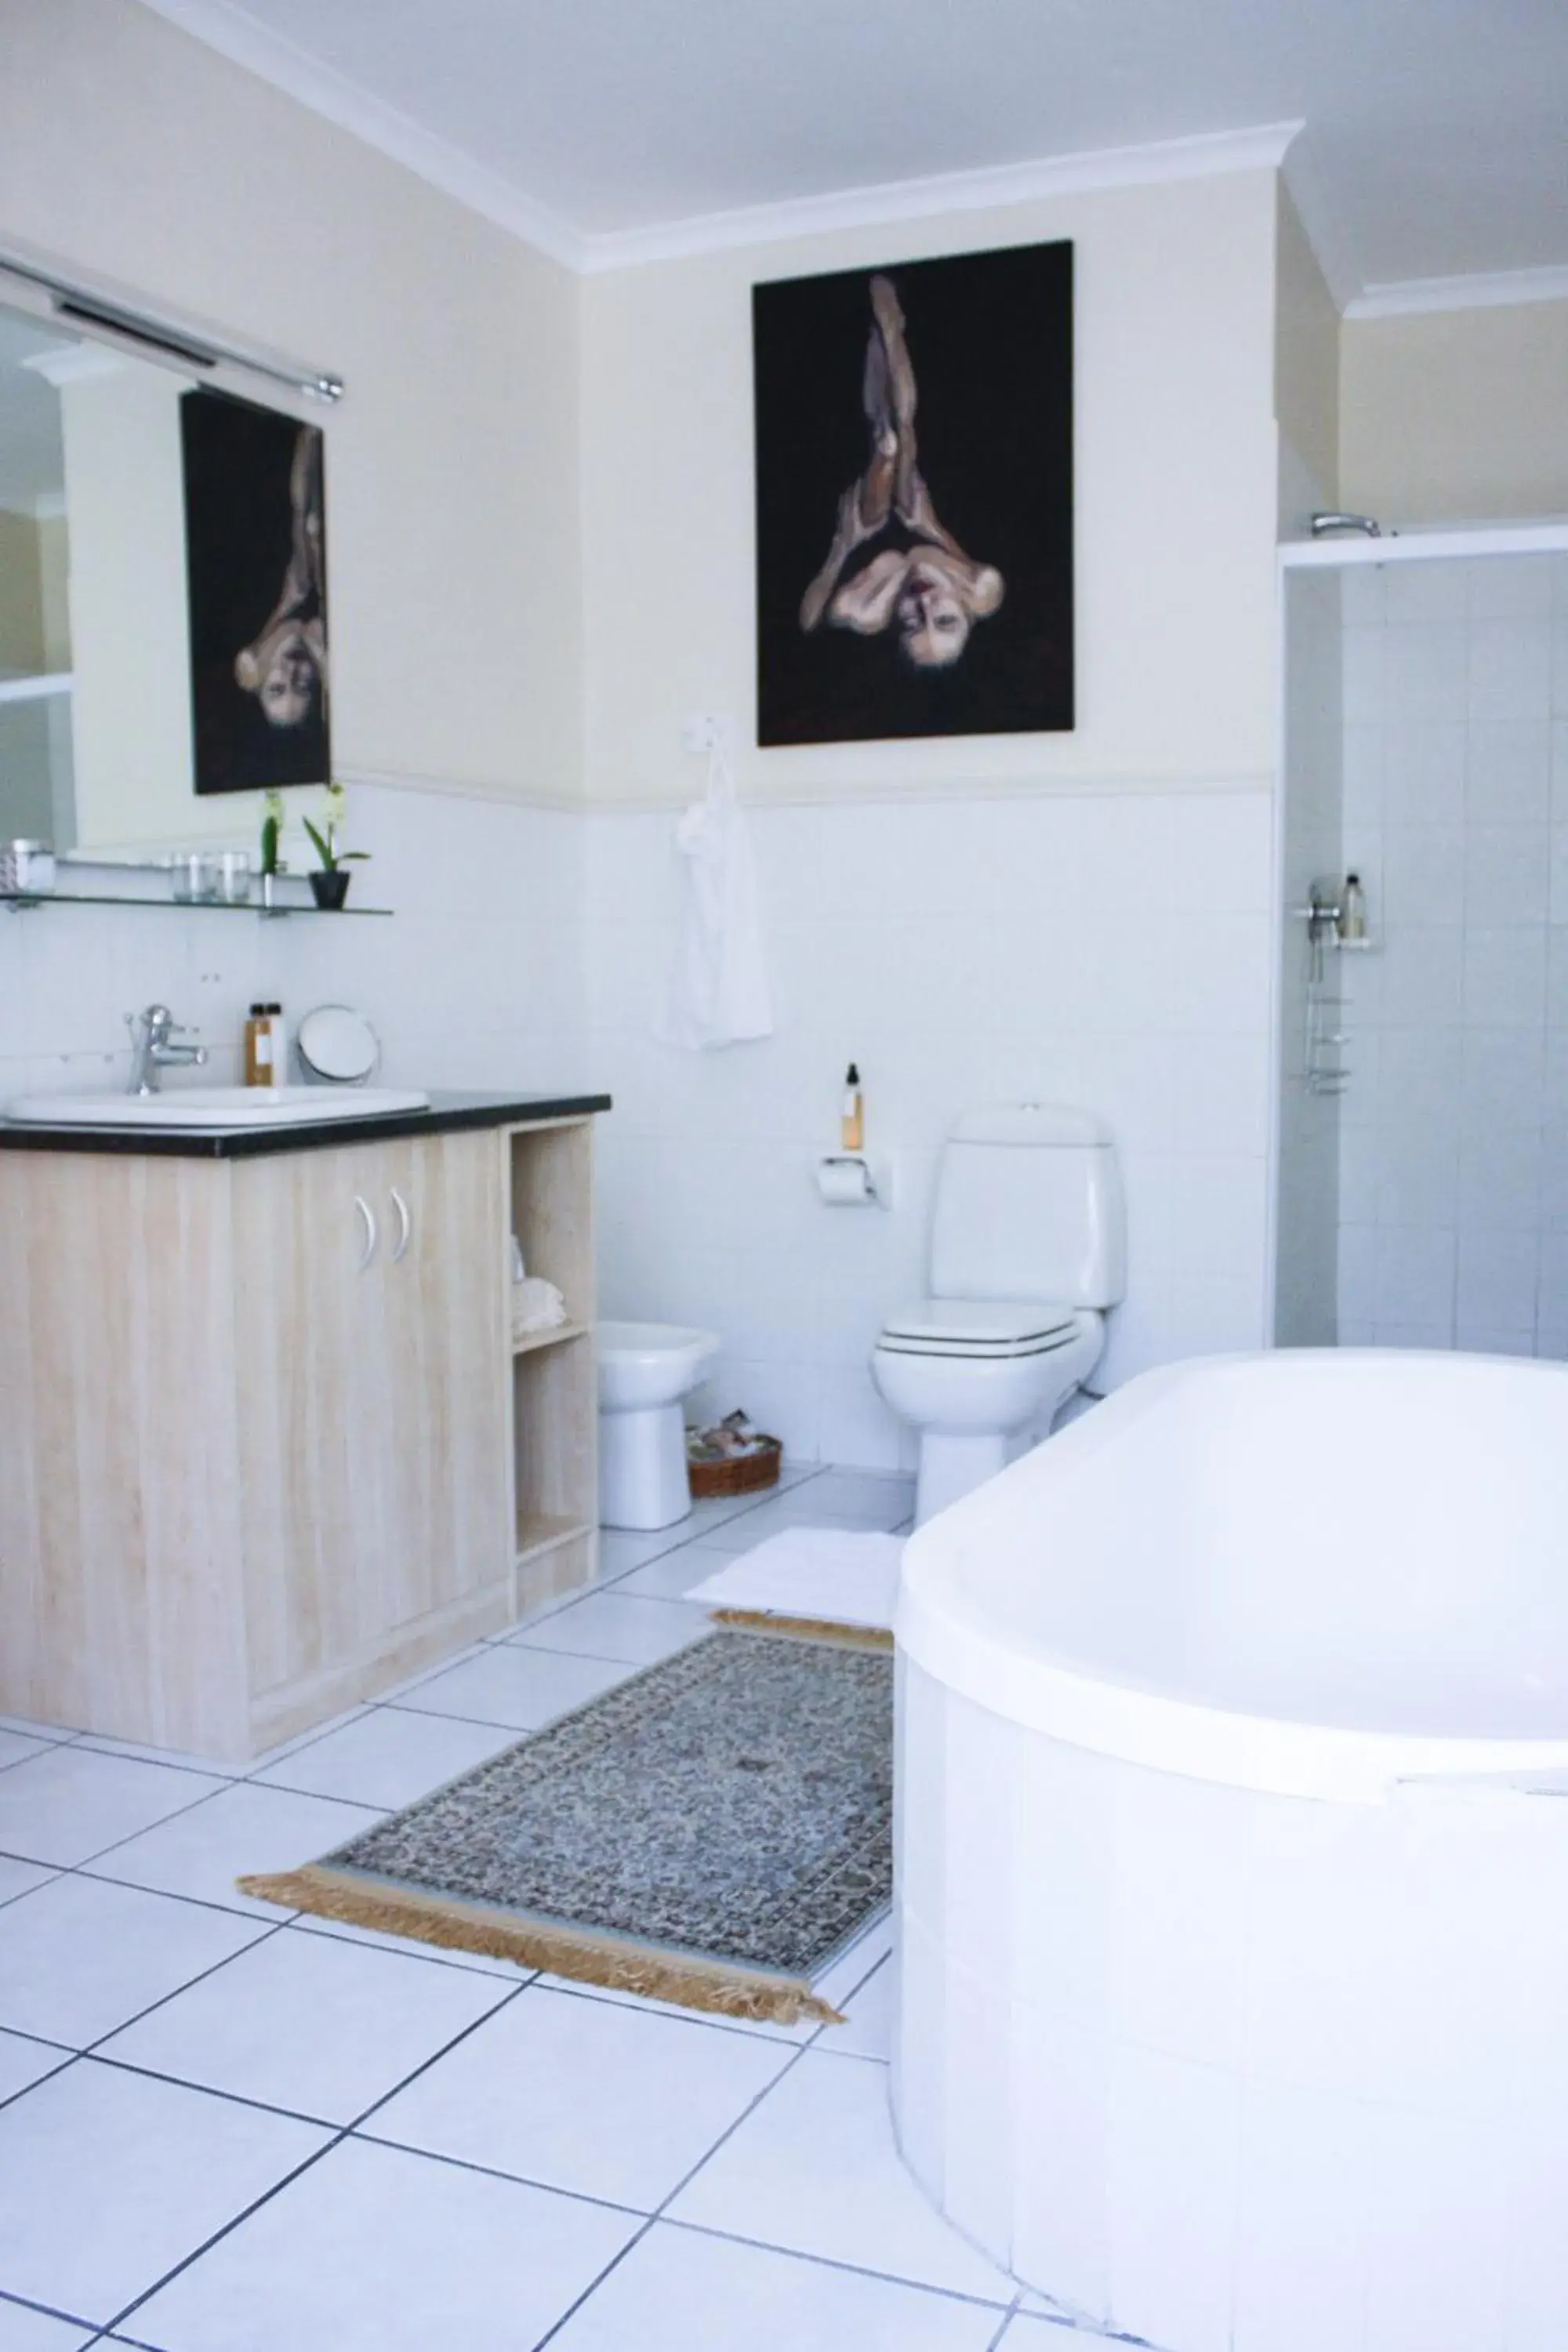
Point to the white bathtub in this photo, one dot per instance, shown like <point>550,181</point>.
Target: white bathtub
<point>1233,1858</point>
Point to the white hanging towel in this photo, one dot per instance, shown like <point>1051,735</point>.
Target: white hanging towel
<point>719,993</point>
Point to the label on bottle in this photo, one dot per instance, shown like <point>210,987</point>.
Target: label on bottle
<point>264,1046</point>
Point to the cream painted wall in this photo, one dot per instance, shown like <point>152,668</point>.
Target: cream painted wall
<point>54,580</point>
<point>970,918</point>
<point>1176,489</point>
<point>1306,376</point>
<point>21,596</point>
<point>133,153</point>
<point>1456,416</point>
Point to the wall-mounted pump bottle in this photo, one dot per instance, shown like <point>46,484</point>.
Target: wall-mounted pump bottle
<point>264,1046</point>
<point>852,1113</point>
<point>1352,909</point>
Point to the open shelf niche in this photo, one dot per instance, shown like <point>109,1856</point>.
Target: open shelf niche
<point>554,1390</point>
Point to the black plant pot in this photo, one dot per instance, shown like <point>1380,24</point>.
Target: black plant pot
<point>330,887</point>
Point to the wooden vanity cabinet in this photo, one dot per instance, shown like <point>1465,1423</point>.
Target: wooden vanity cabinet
<point>264,1447</point>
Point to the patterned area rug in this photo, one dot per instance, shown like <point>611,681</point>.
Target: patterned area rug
<point>713,1831</point>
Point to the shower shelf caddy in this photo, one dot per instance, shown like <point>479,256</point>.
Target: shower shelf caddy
<point>1323,1071</point>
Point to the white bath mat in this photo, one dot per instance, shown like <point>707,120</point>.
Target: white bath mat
<point>811,1580</point>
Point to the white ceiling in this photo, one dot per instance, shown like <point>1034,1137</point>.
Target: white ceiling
<point>1434,141</point>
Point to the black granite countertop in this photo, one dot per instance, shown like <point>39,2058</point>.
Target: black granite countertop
<point>446,1112</point>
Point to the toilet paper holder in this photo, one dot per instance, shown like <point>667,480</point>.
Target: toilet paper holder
<point>855,1180</point>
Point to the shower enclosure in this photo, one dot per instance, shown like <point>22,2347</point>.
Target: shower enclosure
<point>1421,1150</point>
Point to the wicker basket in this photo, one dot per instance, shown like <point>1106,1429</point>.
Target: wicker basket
<point>734,1473</point>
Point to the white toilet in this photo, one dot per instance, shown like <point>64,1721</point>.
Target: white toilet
<point>1028,1248</point>
<point>645,1370</point>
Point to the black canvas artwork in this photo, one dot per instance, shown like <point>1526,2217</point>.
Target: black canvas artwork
<point>914,498</point>
<point>256,557</point>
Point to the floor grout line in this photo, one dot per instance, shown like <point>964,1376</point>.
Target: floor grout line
<point>66,2058</point>
<point>337,2136</point>
<point>837,2262</point>
<point>97,2052</point>
<point>266,1932</point>
<point>48,2311</point>
<point>494,2171</point>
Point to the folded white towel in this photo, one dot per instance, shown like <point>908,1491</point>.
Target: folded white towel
<point>536,1305</point>
<point>823,1572</point>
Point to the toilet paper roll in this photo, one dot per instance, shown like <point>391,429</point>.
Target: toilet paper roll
<point>845,1183</point>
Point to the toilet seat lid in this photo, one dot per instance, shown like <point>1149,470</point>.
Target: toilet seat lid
<point>975,1325</point>
<point>649,1343</point>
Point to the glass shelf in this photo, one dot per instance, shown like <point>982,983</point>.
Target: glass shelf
<point>22,901</point>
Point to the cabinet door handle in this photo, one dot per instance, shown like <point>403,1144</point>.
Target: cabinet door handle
<point>368,1213</point>
<point>405,1226</point>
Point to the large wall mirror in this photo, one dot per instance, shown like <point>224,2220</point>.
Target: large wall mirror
<point>162,601</point>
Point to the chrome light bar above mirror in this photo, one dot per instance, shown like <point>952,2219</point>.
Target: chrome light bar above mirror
<point>160,339</point>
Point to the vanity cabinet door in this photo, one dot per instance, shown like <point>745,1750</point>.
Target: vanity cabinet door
<point>372,1365</point>
<point>445,1292</point>
<point>314,1423</point>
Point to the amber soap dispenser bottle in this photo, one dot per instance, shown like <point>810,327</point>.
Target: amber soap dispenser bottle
<point>852,1113</point>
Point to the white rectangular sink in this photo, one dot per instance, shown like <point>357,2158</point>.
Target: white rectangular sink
<point>217,1108</point>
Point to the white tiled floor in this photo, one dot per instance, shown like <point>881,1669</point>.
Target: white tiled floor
<point>226,2130</point>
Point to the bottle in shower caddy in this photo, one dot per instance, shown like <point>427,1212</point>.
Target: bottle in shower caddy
<point>852,1113</point>
<point>1352,910</point>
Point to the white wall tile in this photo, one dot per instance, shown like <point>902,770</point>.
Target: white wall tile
<point>1501,1180</point>
<point>1558,886</point>
<point>1084,946</point>
<point>1438,2189</point>
<point>1364,683</point>
<point>1172,2170</point>
<point>1458,1074</point>
<point>1425,673</point>
<point>1060,2225</point>
<point>1505,977</point>
<point>1300,2239</point>
<point>1363,769</point>
<point>1422,976</point>
<point>1508,768</point>
<point>1424,770</point>
<point>1502,1077</point>
<point>1507,874</point>
<point>1508,587</point>
<point>1498,1273</point>
<point>1414,1278</point>
<point>1424,592</point>
<point>1511,669</point>
<point>1423,873</point>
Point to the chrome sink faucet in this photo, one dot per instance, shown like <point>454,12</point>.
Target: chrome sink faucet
<point>152,1051</point>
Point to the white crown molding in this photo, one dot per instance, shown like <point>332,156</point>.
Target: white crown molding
<point>1484,290</point>
<point>1257,150</point>
<point>328,93</point>
<point>236,36</point>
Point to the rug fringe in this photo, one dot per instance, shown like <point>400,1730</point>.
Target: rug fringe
<point>571,1952</point>
<point>810,1629</point>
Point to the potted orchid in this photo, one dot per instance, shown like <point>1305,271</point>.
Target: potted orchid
<point>272,834</point>
<point>329,885</point>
